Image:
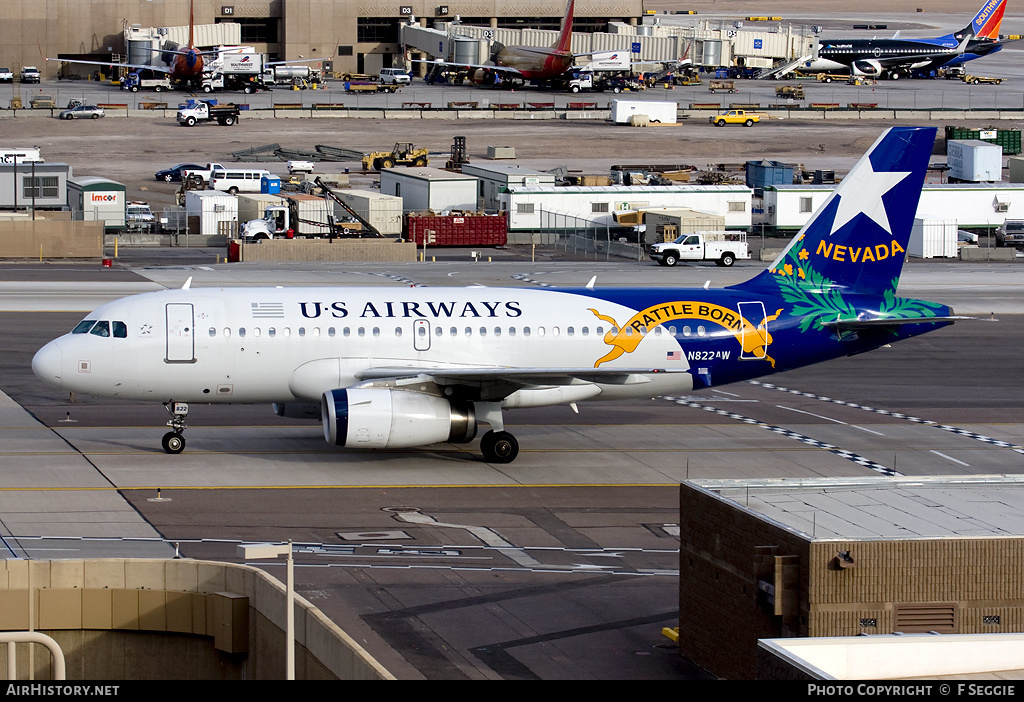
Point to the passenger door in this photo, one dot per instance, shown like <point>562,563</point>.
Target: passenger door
<point>180,333</point>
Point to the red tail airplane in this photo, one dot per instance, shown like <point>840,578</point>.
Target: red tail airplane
<point>529,62</point>
<point>186,65</point>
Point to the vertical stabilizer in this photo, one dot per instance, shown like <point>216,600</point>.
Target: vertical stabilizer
<point>857,240</point>
<point>565,38</point>
<point>985,24</point>
<point>191,26</point>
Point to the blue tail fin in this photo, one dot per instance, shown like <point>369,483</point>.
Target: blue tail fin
<point>857,240</point>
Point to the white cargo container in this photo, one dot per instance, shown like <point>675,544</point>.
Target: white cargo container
<point>430,189</point>
<point>384,212</point>
<point>933,238</point>
<point>217,212</point>
<point>661,112</point>
<point>974,160</point>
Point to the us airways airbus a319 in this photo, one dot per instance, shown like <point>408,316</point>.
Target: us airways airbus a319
<point>401,368</point>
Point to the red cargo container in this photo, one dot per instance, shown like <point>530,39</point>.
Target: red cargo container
<point>458,230</point>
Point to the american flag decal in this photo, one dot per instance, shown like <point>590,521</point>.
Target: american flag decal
<point>674,355</point>
<point>267,310</point>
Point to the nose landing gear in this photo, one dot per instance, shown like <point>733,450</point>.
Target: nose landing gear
<point>174,440</point>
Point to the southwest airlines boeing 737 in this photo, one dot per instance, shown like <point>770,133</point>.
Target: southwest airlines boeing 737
<point>410,367</point>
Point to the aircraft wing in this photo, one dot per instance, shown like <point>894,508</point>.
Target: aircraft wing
<point>521,377</point>
<point>487,67</point>
<point>158,69</point>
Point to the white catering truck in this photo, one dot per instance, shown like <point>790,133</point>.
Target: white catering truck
<point>721,247</point>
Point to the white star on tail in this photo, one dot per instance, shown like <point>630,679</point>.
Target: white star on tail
<point>862,192</point>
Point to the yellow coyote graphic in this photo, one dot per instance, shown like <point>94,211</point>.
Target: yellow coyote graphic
<point>753,339</point>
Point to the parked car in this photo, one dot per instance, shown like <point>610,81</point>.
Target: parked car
<point>6,76</point>
<point>30,74</point>
<point>173,174</point>
<point>82,112</point>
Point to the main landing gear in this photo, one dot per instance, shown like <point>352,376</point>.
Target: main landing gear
<point>497,445</point>
<point>174,440</point>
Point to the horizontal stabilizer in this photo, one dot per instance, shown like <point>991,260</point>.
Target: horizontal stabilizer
<point>845,324</point>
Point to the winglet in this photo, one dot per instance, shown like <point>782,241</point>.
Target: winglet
<point>188,284</point>
<point>590,285</point>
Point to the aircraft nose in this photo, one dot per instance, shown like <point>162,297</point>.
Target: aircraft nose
<point>47,363</point>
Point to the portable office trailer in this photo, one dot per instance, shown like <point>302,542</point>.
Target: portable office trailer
<point>97,199</point>
<point>972,205</point>
<point>217,212</point>
<point>48,190</point>
<point>384,212</point>
<point>430,189</point>
<point>598,204</point>
<point>494,178</point>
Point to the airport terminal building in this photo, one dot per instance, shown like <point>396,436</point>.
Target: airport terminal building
<point>356,37</point>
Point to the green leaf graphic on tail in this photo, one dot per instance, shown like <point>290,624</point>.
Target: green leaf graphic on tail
<point>815,298</point>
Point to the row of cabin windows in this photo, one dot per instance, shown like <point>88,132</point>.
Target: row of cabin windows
<point>422,331</point>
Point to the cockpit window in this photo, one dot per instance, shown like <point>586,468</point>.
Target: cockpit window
<point>120,330</point>
<point>84,326</point>
<point>101,329</point>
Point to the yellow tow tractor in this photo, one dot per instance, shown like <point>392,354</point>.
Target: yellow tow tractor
<point>403,154</point>
<point>976,80</point>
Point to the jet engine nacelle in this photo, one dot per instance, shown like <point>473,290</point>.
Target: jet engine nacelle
<point>867,67</point>
<point>385,418</point>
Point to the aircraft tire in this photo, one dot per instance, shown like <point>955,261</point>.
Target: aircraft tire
<point>499,447</point>
<point>173,442</point>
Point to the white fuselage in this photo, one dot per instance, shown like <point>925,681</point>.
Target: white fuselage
<point>286,345</point>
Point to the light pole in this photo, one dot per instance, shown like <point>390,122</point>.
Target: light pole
<point>260,551</point>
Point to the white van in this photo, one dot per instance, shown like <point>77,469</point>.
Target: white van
<point>394,76</point>
<point>237,180</point>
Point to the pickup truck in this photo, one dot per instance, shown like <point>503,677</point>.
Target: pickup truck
<point>721,247</point>
<point>203,173</point>
<point>743,117</point>
<point>194,112</point>
<point>1011,233</point>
